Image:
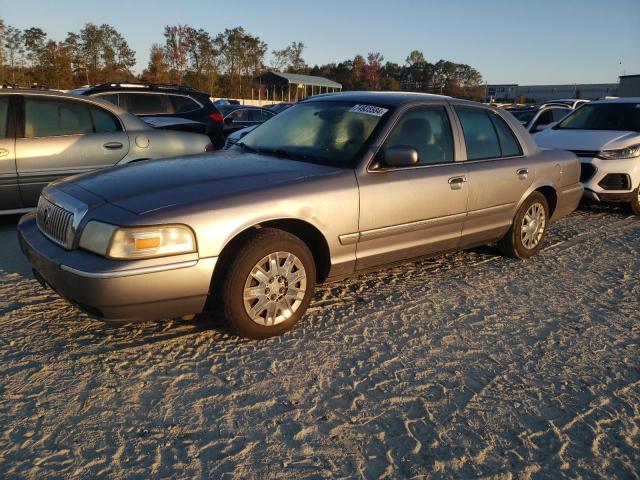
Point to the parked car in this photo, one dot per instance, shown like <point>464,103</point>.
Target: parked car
<point>280,107</point>
<point>236,136</point>
<point>236,117</point>
<point>605,134</point>
<point>536,119</point>
<point>338,184</point>
<point>47,135</point>
<point>572,102</point>
<point>154,100</point>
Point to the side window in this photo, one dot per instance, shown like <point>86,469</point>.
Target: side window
<point>260,116</point>
<point>427,129</point>
<point>109,97</point>
<point>183,104</point>
<point>479,134</point>
<point>545,118</point>
<point>509,145</point>
<point>4,113</point>
<point>50,118</point>
<point>103,121</point>
<point>559,113</point>
<point>146,103</point>
<point>241,115</point>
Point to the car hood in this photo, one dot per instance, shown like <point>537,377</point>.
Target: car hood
<point>153,185</point>
<point>594,140</point>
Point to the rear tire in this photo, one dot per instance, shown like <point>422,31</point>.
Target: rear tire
<point>635,203</point>
<point>268,284</point>
<point>529,228</point>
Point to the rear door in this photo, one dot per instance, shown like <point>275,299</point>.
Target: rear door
<point>498,173</point>
<point>9,191</point>
<point>60,137</point>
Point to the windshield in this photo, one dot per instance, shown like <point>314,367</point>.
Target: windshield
<point>326,132</point>
<point>603,116</point>
<point>524,116</point>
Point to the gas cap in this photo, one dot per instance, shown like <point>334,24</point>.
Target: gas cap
<point>142,141</point>
<point>558,172</point>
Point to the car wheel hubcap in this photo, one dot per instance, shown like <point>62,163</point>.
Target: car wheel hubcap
<point>275,288</point>
<point>533,225</point>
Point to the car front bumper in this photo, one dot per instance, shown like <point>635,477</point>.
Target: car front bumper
<point>596,185</point>
<point>123,291</point>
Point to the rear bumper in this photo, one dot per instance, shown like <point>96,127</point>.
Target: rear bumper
<point>568,200</point>
<point>118,290</point>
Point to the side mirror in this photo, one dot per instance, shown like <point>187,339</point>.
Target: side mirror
<point>400,156</point>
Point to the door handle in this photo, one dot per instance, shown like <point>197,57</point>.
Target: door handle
<point>4,152</point>
<point>113,145</point>
<point>522,173</point>
<point>456,182</point>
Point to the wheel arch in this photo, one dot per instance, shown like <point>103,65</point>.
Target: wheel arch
<point>305,231</point>
<point>549,192</point>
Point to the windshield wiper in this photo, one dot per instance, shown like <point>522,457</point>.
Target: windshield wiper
<point>247,148</point>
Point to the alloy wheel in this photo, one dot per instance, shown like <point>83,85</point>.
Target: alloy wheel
<point>533,225</point>
<point>274,288</point>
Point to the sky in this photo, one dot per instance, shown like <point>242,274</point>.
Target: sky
<point>532,42</point>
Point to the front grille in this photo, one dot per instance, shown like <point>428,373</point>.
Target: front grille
<point>55,222</point>
<point>616,181</point>
<point>586,172</point>
<point>586,153</point>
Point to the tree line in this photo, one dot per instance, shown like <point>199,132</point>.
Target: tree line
<point>224,64</point>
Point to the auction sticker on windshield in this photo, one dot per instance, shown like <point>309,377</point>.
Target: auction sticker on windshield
<point>369,110</point>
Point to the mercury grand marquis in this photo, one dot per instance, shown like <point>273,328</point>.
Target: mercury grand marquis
<point>334,185</point>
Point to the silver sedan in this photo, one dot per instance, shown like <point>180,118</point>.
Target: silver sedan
<point>46,135</point>
<point>334,185</point>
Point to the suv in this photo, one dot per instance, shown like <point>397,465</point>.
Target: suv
<point>536,119</point>
<point>162,101</point>
<point>605,135</point>
<point>46,135</point>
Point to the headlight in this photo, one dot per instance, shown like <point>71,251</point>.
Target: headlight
<point>629,152</point>
<point>137,242</point>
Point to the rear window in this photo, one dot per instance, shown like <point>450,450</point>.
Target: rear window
<point>603,116</point>
<point>183,104</point>
<point>146,103</point>
<point>486,135</point>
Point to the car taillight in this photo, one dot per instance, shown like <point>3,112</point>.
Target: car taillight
<point>209,147</point>
<point>216,117</point>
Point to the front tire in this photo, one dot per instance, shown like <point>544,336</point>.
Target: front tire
<point>529,228</point>
<point>268,284</point>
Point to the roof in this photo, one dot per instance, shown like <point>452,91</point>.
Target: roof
<point>630,76</point>
<point>296,79</point>
<point>619,100</point>
<point>384,98</point>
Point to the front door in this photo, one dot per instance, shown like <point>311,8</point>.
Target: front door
<point>63,137</point>
<point>418,210</point>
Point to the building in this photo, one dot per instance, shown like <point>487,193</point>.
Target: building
<point>500,93</point>
<point>287,87</point>
<point>629,86</point>
<point>544,93</point>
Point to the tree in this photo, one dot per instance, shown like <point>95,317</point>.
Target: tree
<point>373,70</point>
<point>241,55</point>
<point>35,46</point>
<point>13,43</point>
<point>100,53</point>
<point>177,50</point>
<point>158,69</point>
<point>290,59</point>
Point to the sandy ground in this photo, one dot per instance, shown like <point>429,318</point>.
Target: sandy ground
<point>467,365</point>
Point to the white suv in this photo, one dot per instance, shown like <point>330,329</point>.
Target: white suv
<point>606,136</point>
